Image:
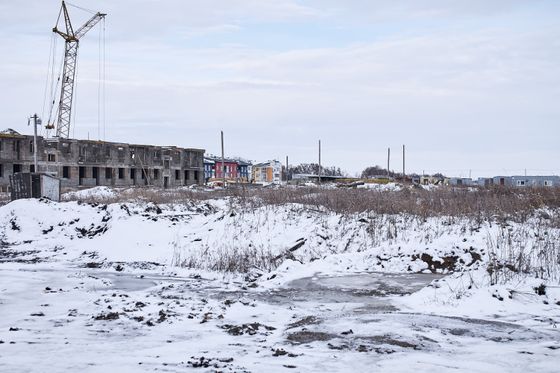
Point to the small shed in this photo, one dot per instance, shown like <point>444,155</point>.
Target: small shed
<point>34,185</point>
<point>461,181</point>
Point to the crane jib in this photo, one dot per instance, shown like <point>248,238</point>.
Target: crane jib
<point>71,39</point>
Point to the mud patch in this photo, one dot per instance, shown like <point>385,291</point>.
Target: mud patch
<point>250,329</point>
<point>305,336</point>
<point>390,340</point>
<point>216,364</point>
<point>92,231</point>
<point>308,320</point>
<point>447,263</point>
<point>7,255</point>
<point>93,265</point>
<point>107,316</point>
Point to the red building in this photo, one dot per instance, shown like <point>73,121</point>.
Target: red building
<point>230,167</point>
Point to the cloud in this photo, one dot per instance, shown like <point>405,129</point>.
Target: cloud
<point>407,10</point>
<point>462,94</point>
<point>209,30</point>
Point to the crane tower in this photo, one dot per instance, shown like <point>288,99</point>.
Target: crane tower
<point>72,39</point>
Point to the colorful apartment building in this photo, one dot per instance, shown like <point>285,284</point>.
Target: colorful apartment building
<point>234,170</point>
<point>267,172</point>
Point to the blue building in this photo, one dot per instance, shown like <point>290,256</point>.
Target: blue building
<point>243,170</point>
<point>209,169</point>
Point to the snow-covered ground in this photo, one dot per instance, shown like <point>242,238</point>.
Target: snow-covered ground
<point>381,187</point>
<point>218,286</point>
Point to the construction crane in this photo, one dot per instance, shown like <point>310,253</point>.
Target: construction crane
<point>72,39</point>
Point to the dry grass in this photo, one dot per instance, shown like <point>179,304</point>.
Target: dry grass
<point>4,198</point>
<point>228,259</point>
<point>482,204</point>
<point>528,249</point>
<point>527,243</point>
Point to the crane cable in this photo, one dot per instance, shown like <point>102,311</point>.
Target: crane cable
<point>50,86</point>
<point>104,84</point>
<point>51,54</point>
<point>54,88</point>
<point>101,85</point>
<point>79,7</point>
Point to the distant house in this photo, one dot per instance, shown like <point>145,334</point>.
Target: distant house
<point>484,181</point>
<point>209,169</point>
<point>267,172</point>
<point>234,170</point>
<point>461,181</point>
<point>227,169</point>
<point>527,181</point>
<point>431,180</point>
<point>244,170</point>
<point>415,179</point>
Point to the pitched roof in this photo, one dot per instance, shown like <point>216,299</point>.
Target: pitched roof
<point>9,131</point>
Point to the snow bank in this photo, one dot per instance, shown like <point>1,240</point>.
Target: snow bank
<point>57,304</point>
<point>99,192</point>
<point>282,240</point>
<point>389,187</point>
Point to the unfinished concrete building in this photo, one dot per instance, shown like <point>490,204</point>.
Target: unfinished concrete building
<point>89,163</point>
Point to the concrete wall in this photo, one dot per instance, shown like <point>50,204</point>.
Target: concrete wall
<point>50,187</point>
<point>90,163</point>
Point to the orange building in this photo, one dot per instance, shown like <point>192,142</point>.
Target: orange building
<point>267,172</point>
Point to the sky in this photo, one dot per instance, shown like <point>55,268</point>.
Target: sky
<point>471,87</point>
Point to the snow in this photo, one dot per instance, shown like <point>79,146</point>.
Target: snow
<point>381,187</point>
<point>95,192</point>
<point>98,287</point>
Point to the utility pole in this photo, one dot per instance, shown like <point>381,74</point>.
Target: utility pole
<point>319,162</point>
<point>403,160</point>
<point>223,161</point>
<point>388,160</point>
<point>286,170</point>
<point>36,122</point>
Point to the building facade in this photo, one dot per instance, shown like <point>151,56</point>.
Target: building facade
<point>91,163</point>
<point>526,181</point>
<point>244,170</point>
<point>267,172</point>
<point>234,170</point>
<point>432,180</point>
<point>209,169</point>
<point>461,181</point>
<point>227,169</point>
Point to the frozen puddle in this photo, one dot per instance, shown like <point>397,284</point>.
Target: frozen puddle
<point>97,320</point>
<point>133,282</point>
<point>364,284</point>
<point>363,290</point>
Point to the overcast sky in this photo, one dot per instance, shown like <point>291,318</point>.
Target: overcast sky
<point>465,84</point>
